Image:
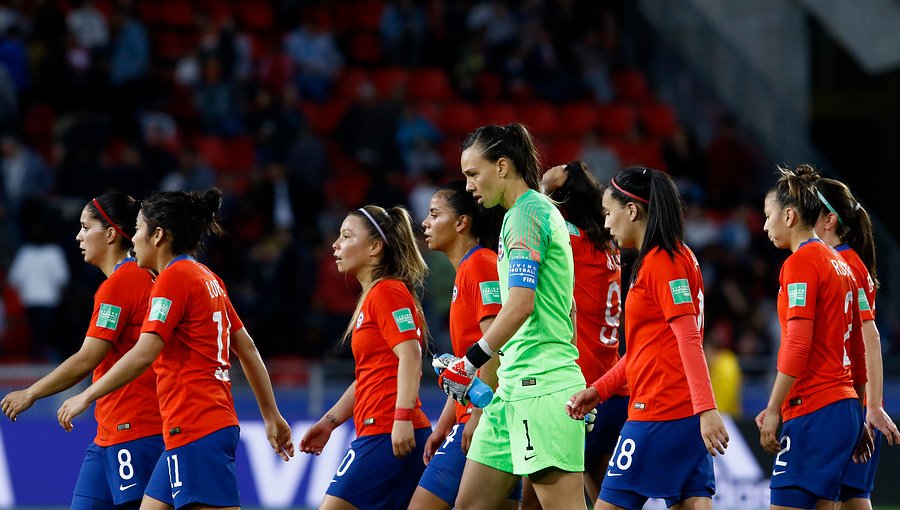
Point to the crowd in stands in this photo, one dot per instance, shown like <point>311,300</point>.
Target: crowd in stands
<point>302,110</point>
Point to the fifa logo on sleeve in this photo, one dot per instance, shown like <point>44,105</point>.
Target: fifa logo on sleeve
<point>404,319</point>
<point>108,316</point>
<point>681,291</point>
<point>796,294</point>
<point>159,309</point>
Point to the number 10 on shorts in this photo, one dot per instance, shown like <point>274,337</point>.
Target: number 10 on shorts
<point>622,457</point>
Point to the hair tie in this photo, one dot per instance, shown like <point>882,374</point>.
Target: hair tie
<point>378,228</point>
<point>858,206</point>
<point>632,195</point>
<point>109,220</point>
<point>828,206</point>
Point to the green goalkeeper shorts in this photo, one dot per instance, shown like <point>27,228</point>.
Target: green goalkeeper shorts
<point>526,436</point>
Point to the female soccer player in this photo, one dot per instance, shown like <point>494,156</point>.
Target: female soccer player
<point>844,224</point>
<point>821,358</point>
<point>467,233</point>
<point>129,440</point>
<point>190,331</point>
<point>524,431</point>
<point>384,463</point>
<point>598,290</point>
<point>673,426</point>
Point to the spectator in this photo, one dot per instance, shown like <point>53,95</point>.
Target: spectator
<point>25,175</point>
<point>192,174</point>
<point>87,25</point>
<point>316,57</point>
<point>600,159</point>
<point>130,59</point>
<point>403,31</point>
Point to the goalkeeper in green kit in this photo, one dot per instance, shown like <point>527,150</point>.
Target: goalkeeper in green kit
<point>525,431</point>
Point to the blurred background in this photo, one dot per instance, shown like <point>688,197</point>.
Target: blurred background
<point>300,110</point>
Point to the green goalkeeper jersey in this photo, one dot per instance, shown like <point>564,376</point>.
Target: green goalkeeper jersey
<point>535,252</point>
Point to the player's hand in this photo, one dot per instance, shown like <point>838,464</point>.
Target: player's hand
<point>582,402</point>
<point>876,418</point>
<point>403,438</point>
<point>434,443</point>
<point>315,439</point>
<point>455,377</point>
<point>768,422</point>
<point>16,403</point>
<point>712,429</point>
<point>279,433</point>
<point>865,447</point>
<point>70,409</point>
<point>469,429</point>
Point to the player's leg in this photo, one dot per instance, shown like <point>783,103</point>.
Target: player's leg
<point>529,497</point>
<point>594,477</point>
<point>483,487</point>
<point>858,504</point>
<point>151,503</point>
<point>559,490</point>
<point>694,503</point>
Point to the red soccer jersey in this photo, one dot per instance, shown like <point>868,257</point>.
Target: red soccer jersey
<point>388,317</point>
<point>191,312</point>
<point>665,288</point>
<point>816,284</point>
<point>598,291</point>
<point>865,292</point>
<point>120,305</point>
<point>476,296</point>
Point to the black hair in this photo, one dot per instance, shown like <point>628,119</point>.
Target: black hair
<point>581,198</point>
<point>854,225</point>
<point>513,142</point>
<point>121,209</point>
<point>664,208</point>
<point>797,189</point>
<point>186,216</point>
<point>485,222</point>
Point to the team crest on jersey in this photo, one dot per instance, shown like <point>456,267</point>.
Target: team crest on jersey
<point>360,319</point>
<point>108,316</point>
<point>455,294</point>
<point>796,294</point>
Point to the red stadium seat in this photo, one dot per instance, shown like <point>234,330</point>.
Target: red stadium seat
<point>562,151</point>
<point>458,119</point>
<point>349,81</point>
<point>324,118</point>
<point>430,85</point>
<point>576,119</point>
<point>449,151</point>
<point>175,13</point>
<point>365,48</point>
<point>659,119</point>
<point>214,151</point>
<point>366,14</point>
<point>431,111</point>
<point>39,121</point>
<point>631,85</point>
<point>498,113</point>
<point>217,10</point>
<point>255,15</point>
<point>541,119</point>
<point>169,46</point>
<point>387,80</point>
<point>616,119</point>
<point>489,86</point>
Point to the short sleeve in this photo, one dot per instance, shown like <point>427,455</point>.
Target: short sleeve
<point>865,294</point>
<point>525,242</point>
<point>800,284</point>
<point>395,313</point>
<point>110,314</point>
<point>168,301</point>
<point>670,283</point>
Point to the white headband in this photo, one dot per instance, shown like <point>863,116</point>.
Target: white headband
<point>381,232</point>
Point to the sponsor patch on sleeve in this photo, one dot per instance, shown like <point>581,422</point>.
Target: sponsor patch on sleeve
<point>490,292</point>
<point>681,291</point>
<point>404,319</point>
<point>159,309</point>
<point>796,294</point>
<point>108,316</point>
<point>863,301</point>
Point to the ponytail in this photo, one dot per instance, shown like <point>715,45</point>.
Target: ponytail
<point>581,199</point>
<point>655,193</point>
<point>513,142</point>
<point>854,224</point>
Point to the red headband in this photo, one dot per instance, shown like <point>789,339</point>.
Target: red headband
<point>108,220</point>
<point>627,194</point>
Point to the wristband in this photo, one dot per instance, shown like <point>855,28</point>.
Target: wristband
<point>403,414</point>
<point>479,353</point>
